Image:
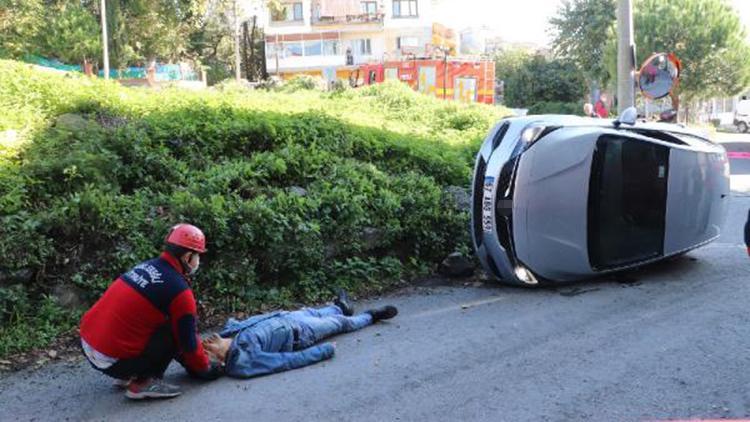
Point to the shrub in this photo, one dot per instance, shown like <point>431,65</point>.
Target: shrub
<point>297,191</point>
<point>553,107</point>
<point>304,82</point>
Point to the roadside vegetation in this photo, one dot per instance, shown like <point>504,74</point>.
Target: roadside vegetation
<point>299,191</point>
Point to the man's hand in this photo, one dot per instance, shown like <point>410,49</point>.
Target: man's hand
<point>215,370</point>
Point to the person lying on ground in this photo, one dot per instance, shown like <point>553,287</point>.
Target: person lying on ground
<point>147,317</point>
<point>280,341</point>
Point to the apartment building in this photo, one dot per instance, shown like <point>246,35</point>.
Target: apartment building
<point>331,38</point>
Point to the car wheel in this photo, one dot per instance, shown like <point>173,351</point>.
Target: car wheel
<point>742,127</point>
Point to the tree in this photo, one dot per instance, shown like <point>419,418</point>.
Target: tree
<point>140,31</point>
<point>583,31</point>
<point>706,35</point>
<point>539,79</point>
<point>143,30</point>
<point>72,34</point>
<point>509,61</point>
<point>213,42</point>
<point>20,21</point>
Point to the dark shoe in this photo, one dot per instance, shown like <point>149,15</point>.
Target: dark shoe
<point>342,301</point>
<point>386,312</point>
<point>151,388</point>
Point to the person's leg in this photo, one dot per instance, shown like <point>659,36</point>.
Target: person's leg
<point>150,366</point>
<point>325,311</point>
<point>152,362</point>
<point>318,328</point>
<point>330,310</point>
<point>160,351</point>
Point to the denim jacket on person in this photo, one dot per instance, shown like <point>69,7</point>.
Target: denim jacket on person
<point>264,344</point>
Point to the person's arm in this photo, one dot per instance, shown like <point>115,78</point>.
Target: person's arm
<point>183,314</point>
<point>242,363</point>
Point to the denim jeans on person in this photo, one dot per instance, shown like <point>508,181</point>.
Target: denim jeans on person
<point>321,323</point>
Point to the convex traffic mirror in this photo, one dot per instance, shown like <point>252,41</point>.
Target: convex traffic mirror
<point>659,75</point>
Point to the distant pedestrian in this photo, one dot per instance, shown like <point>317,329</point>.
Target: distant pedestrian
<point>588,110</point>
<point>601,106</point>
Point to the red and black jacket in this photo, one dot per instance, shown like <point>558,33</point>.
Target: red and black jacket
<point>153,293</point>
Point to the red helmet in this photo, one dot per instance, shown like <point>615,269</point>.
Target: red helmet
<point>187,236</point>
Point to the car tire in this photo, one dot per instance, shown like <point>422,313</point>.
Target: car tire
<point>742,127</point>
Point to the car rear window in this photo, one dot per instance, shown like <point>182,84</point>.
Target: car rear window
<point>627,201</point>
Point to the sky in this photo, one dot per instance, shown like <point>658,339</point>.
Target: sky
<point>521,21</point>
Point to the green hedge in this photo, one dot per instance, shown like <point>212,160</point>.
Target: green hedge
<point>556,107</point>
<point>92,175</point>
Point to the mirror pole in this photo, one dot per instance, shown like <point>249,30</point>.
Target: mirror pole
<point>625,56</point>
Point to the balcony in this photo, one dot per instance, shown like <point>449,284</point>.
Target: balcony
<point>365,18</point>
<point>344,13</point>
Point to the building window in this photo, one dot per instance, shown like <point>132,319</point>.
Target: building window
<point>303,48</point>
<point>361,47</point>
<point>405,9</point>
<point>290,12</point>
<point>294,13</point>
<point>313,48</point>
<point>407,42</point>
<point>331,48</point>
<point>270,50</point>
<point>293,49</point>
<point>369,7</point>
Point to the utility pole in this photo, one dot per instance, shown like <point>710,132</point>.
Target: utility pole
<point>237,71</point>
<point>625,56</point>
<point>104,39</point>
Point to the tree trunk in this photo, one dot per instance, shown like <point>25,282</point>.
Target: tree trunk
<point>254,66</point>
<point>244,51</point>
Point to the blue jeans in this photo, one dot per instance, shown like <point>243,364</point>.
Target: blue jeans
<point>317,324</point>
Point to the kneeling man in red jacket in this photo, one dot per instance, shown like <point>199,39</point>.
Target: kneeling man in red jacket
<point>148,317</point>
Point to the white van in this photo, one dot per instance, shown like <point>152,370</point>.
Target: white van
<point>742,115</point>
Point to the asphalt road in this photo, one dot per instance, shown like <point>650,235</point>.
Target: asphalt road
<point>669,341</point>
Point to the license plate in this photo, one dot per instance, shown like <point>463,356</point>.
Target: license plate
<point>487,204</point>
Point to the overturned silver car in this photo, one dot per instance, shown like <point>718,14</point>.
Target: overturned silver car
<point>564,198</point>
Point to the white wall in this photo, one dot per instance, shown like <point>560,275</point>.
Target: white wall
<point>305,62</point>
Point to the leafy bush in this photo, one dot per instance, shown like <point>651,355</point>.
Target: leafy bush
<point>26,323</point>
<point>556,107</point>
<point>296,192</point>
<point>304,83</point>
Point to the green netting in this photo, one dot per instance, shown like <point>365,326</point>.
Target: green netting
<point>164,72</point>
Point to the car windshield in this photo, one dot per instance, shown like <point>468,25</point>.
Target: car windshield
<point>627,202</point>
